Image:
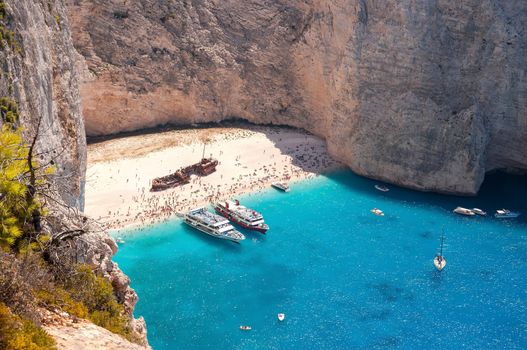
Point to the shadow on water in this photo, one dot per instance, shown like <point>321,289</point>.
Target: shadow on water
<point>499,190</point>
<point>385,342</point>
<point>252,235</point>
<point>428,235</point>
<point>391,293</point>
<point>437,277</point>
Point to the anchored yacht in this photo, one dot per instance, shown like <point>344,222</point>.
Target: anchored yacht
<point>212,224</point>
<point>479,211</point>
<point>464,211</point>
<point>240,215</point>
<point>506,214</point>
<point>382,188</point>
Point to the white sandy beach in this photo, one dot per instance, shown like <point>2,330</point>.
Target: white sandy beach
<point>120,171</point>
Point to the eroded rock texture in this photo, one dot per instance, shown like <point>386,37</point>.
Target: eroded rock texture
<point>426,94</point>
<point>38,73</point>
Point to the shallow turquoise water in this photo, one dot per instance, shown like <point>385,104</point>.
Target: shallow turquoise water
<point>345,278</point>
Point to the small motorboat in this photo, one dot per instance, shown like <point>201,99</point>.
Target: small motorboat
<point>245,328</point>
<point>479,211</point>
<point>119,240</point>
<point>382,188</point>
<point>283,186</point>
<point>281,317</point>
<point>506,214</point>
<point>464,211</point>
<point>377,212</point>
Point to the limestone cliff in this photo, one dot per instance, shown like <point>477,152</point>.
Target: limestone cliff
<point>426,94</point>
<point>38,73</point>
<point>38,61</point>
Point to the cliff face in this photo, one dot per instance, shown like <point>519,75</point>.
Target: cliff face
<point>425,94</point>
<point>439,88</point>
<point>38,73</point>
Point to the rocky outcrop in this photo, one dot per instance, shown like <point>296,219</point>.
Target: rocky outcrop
<point>38,72</point>
<point>80,240</point>
<point>425,94</point>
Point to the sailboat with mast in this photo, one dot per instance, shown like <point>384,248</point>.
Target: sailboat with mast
<point>439,260</point>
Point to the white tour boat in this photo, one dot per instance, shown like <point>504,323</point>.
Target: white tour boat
<point>212,224</point>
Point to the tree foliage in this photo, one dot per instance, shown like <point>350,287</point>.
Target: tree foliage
<point>8,109</point>
<point>7,36</point>
<point>28,280</point>
<point>16,209</point>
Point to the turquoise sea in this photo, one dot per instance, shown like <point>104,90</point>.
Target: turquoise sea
<point>345,278</point>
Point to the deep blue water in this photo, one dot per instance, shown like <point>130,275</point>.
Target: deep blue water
<point>345,278</point>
